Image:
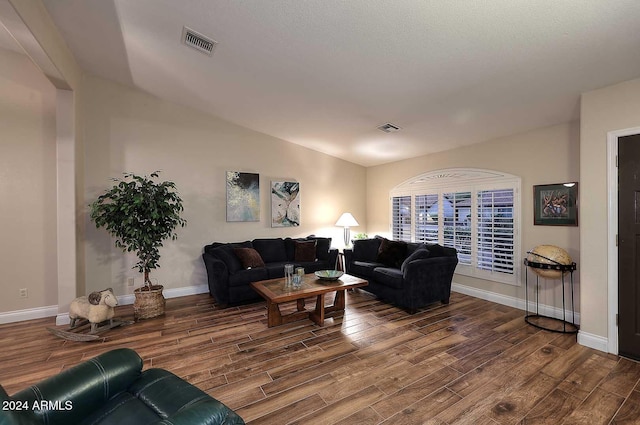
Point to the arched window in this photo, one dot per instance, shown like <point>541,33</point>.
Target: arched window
<point>475,211</point>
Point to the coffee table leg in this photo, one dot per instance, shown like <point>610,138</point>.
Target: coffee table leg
<point>274,318</point>
<point>300,304</point>
<point>317,316</point>
<point>338,302</point>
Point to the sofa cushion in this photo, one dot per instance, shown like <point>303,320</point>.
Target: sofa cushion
<point>312,266</point>
<point>305,251</point>
<point>290,247</point>
<point>275,270</point>
<point>322,247</point>
<point>271,250</point>
<point>392,253</point>
<point>244,277</point>
<point>224,252</point>
<point>366,249</point>
<point>413,246</point>
<point>388,276</point>
<point>123,408</point>
<point>249,257</point>
<point>436,250</point>
<point>418,254</point>
<point>363,268</point>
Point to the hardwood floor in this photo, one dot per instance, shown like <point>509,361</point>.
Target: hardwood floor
<point>469,362</point>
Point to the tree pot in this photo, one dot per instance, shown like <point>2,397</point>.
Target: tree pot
<point>149,302</point>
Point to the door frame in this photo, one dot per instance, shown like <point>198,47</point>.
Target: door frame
<point>612,232</point>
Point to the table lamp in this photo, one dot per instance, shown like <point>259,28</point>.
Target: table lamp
<point>346,220</point>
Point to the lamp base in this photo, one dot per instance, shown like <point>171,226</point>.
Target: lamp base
<point>347,236</point>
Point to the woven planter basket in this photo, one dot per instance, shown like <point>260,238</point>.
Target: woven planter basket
<point>148,303</point>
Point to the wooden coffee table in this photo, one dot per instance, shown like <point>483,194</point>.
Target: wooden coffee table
<point>274,291</point>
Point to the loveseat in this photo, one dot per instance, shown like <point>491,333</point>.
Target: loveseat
<point>409,275</point>
<point>231,267</point>
<point>112,389</point>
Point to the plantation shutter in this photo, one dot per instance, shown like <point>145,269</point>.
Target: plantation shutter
<point>496,230</point>
<point>401,218</point>
<point>426,218</point>
<point>457,224</point>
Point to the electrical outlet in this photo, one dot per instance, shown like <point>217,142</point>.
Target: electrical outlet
<point>130,281</point>
<point>23,293</point>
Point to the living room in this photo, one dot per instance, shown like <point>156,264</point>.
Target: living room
<point>118,128</point>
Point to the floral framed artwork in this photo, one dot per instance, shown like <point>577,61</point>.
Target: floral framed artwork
<point>285,204</point>
<point>555,204</point>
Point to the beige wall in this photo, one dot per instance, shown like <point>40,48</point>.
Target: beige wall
<point>612,108</point>
<point>127,130</point>
<point>31,25</point>
<point>27,184</point>
<point>542,156</point>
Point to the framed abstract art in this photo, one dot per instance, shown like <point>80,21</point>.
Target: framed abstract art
<point>285,204</point>
<point>243,196</point>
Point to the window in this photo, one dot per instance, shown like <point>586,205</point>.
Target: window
<point>402,218</point>
<point>474,211</point>
<point>495,230</point>
<point>427,211</point>
<point>457,224</point>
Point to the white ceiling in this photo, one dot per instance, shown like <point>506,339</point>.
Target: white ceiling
<point>325,73</point>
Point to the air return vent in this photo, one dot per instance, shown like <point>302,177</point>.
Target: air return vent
<point>389,128</point>
<point>198,41</point>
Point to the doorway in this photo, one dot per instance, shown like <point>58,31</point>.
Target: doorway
<point>629,246</point>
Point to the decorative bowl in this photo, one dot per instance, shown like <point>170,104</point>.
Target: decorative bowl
<point>329,274</point>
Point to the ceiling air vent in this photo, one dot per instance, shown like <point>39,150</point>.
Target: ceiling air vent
<point>198,41</point>
<point>389,128</point>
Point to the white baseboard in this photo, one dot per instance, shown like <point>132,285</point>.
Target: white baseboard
<point>168,293</point>
<point>593,341</point>
<point>63,318</point>
<point>514,302</point>
<point>28,314</point>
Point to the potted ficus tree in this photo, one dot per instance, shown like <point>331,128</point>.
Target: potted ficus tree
<point>140,213</point>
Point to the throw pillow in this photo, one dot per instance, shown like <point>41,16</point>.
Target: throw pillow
<point>249,257</point>
<point>418,254</point>
<point>305,251</point>
<point>392,253</point>
<point>436,250</point>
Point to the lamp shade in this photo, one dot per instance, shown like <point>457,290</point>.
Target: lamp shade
<point>346,220</point>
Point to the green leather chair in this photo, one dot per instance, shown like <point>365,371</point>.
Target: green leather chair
<point>112,389</point>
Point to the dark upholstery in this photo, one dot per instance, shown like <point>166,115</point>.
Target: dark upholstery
<point>249,257</point>
<point>271,250</point>
<point>112,389</point>
<point>305,251</point>
<point>423,276</point>
<point>392,253</point>
<point>229,282</point>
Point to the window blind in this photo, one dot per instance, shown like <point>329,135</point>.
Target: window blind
<point>496,230</point>
<point>426,218</point>
<point>457,224</point>
<point>401,218</point>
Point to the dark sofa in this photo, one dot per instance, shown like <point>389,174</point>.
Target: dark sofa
<point>111,389</point>
<point>409,275</point>
<point>231,267</point>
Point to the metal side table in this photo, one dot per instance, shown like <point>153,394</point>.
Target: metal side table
<point>534,319</point>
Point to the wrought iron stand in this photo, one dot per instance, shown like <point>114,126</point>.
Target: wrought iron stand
<point>567,327</point>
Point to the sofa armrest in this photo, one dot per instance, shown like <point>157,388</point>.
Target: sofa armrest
<point>430,279</point>
<point>333,257</point>
<point>348,258</point>
<point>73,394</point>
<point>217,278</point>
<point>207,412</point>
